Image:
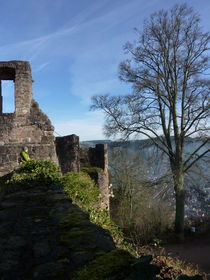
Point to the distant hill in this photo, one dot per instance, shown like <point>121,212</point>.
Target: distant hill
<point>197,180</point>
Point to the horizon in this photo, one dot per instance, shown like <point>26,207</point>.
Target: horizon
<point>74,49</point>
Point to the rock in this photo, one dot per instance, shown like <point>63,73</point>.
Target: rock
<point>41,249</point>
<point>44,236</point>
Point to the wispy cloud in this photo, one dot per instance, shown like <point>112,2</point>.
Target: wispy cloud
<point>30,48</point>
<point>87,128</point>
<point>78,56</point>
<point>40,67</point>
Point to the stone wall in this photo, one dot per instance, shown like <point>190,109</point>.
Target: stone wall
<point>28,125</point>
<point>72,157</point>
<point>98,157</point>
<point>67,148</point>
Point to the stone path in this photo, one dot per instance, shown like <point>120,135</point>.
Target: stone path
<point>44,236</point>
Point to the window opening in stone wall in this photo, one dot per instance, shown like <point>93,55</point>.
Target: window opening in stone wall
<point>7,96</point>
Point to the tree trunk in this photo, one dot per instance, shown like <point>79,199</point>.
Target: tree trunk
<point>179,192</point>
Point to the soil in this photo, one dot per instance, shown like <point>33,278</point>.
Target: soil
<point>195,250</point>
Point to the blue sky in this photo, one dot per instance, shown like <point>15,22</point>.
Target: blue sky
<point>74,48</point>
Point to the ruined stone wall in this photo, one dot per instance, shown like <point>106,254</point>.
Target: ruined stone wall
<point>28,125</point>
<point>98,157</point>
<point>67,148</point>
<point>72,157</point>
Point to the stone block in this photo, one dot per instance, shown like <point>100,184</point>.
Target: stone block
<point>28,126</point>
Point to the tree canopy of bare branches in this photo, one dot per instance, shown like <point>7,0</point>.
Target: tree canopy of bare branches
<point>168,68</point>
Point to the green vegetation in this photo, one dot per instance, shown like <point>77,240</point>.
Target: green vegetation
<point>73,233</point>
<point>143,210</point>
<point>43,170</point>
<point>115,263</point>
<point>82,190</point>
<point>169,101</point>
<point>33,172</point>
<point>118,264</point>
<point>91,170</point>
<point>74,218</point>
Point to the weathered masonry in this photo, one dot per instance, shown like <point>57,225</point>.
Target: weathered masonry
<point>94,161</point>
<point>28,125</point>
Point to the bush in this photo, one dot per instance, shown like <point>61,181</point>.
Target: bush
<point>152,223</point>
<point>145,218</point>
<point>43,171</point>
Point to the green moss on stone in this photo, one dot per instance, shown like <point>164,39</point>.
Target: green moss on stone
<point>77,232</point>
<point>73,218</point>
<point>90,249</point>
<point>68,237</point>
<point>115,263</point>
<point>91,170</point>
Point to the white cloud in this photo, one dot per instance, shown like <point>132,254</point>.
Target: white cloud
<point>88,128</point>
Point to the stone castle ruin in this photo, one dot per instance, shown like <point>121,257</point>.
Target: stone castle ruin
<point>93,160</point>
<point>29,126</point>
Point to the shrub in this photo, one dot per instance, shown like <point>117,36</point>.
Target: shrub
<point>82,190</point>
<point>43,171</point>
<point>152,222</point>
<point>143,218</point>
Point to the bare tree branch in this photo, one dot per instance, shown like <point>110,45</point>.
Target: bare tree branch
<point>168,69</point>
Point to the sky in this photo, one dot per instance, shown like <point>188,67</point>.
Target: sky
<point>74,48</point>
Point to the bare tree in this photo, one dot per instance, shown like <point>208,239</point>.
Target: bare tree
<point>168,69</point>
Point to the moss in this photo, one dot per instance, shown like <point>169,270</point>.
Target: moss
<point>68,237</point>
<point>78,231</point>
<point>115,263</point>
<point>73,219</point>
<point>91,170</point>
<point>90,249</point>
